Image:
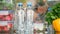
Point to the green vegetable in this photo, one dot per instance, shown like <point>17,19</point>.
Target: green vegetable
<point>38,31</point>
<point>53,14</point>
<point>23,1</point>
<point>41,3</point>
<point>9,6</point>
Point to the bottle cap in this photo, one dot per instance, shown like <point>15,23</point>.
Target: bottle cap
<point>49,8</point>
<point>29,4</point>
<point>20,4</point>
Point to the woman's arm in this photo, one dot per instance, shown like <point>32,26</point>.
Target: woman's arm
<point>35,16</point>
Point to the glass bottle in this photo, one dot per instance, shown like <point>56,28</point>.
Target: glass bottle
<point>21,15</point>
<point>29,17</point>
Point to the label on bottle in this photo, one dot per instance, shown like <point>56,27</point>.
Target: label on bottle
<point>21,15</point>
<point>30,14</point>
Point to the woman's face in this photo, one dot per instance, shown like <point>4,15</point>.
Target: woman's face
<point>41,9</point>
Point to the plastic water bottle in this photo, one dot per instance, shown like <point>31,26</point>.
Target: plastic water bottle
<point>21,15</point>
<point>29,21</point>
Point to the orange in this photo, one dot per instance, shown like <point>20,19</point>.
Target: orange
<point>56,25</point>
<point>57,32</point>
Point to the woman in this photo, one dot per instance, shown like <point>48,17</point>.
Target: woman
<point>40,10</point>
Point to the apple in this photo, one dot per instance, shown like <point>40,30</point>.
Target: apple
<point>10,25</point>
<point>8,18</point>
<point>34,31</point>
<point>11,15</point>
<point>0,27</point>
<point>6,29</point>
<point>3,19</point>
<point>1,16</point>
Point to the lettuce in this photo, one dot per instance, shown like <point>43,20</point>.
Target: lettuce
<point>53,14</point>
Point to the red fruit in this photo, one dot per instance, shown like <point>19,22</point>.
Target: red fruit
<point>5,29</point>
<point>10,25</point>
<point>34,31</point>
<point>8,18</point>
<point>11,15</point>
<point>1,16</point>
<point>4,17</point>
<point>0,29</point>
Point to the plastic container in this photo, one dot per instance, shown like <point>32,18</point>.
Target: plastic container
<point>7,16</point>
<point>29,17</point>
<point>6,21</point>
<point>21,15</point>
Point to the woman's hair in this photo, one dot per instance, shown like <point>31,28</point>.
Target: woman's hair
<point>36,7</point>
<point>39,4</point>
